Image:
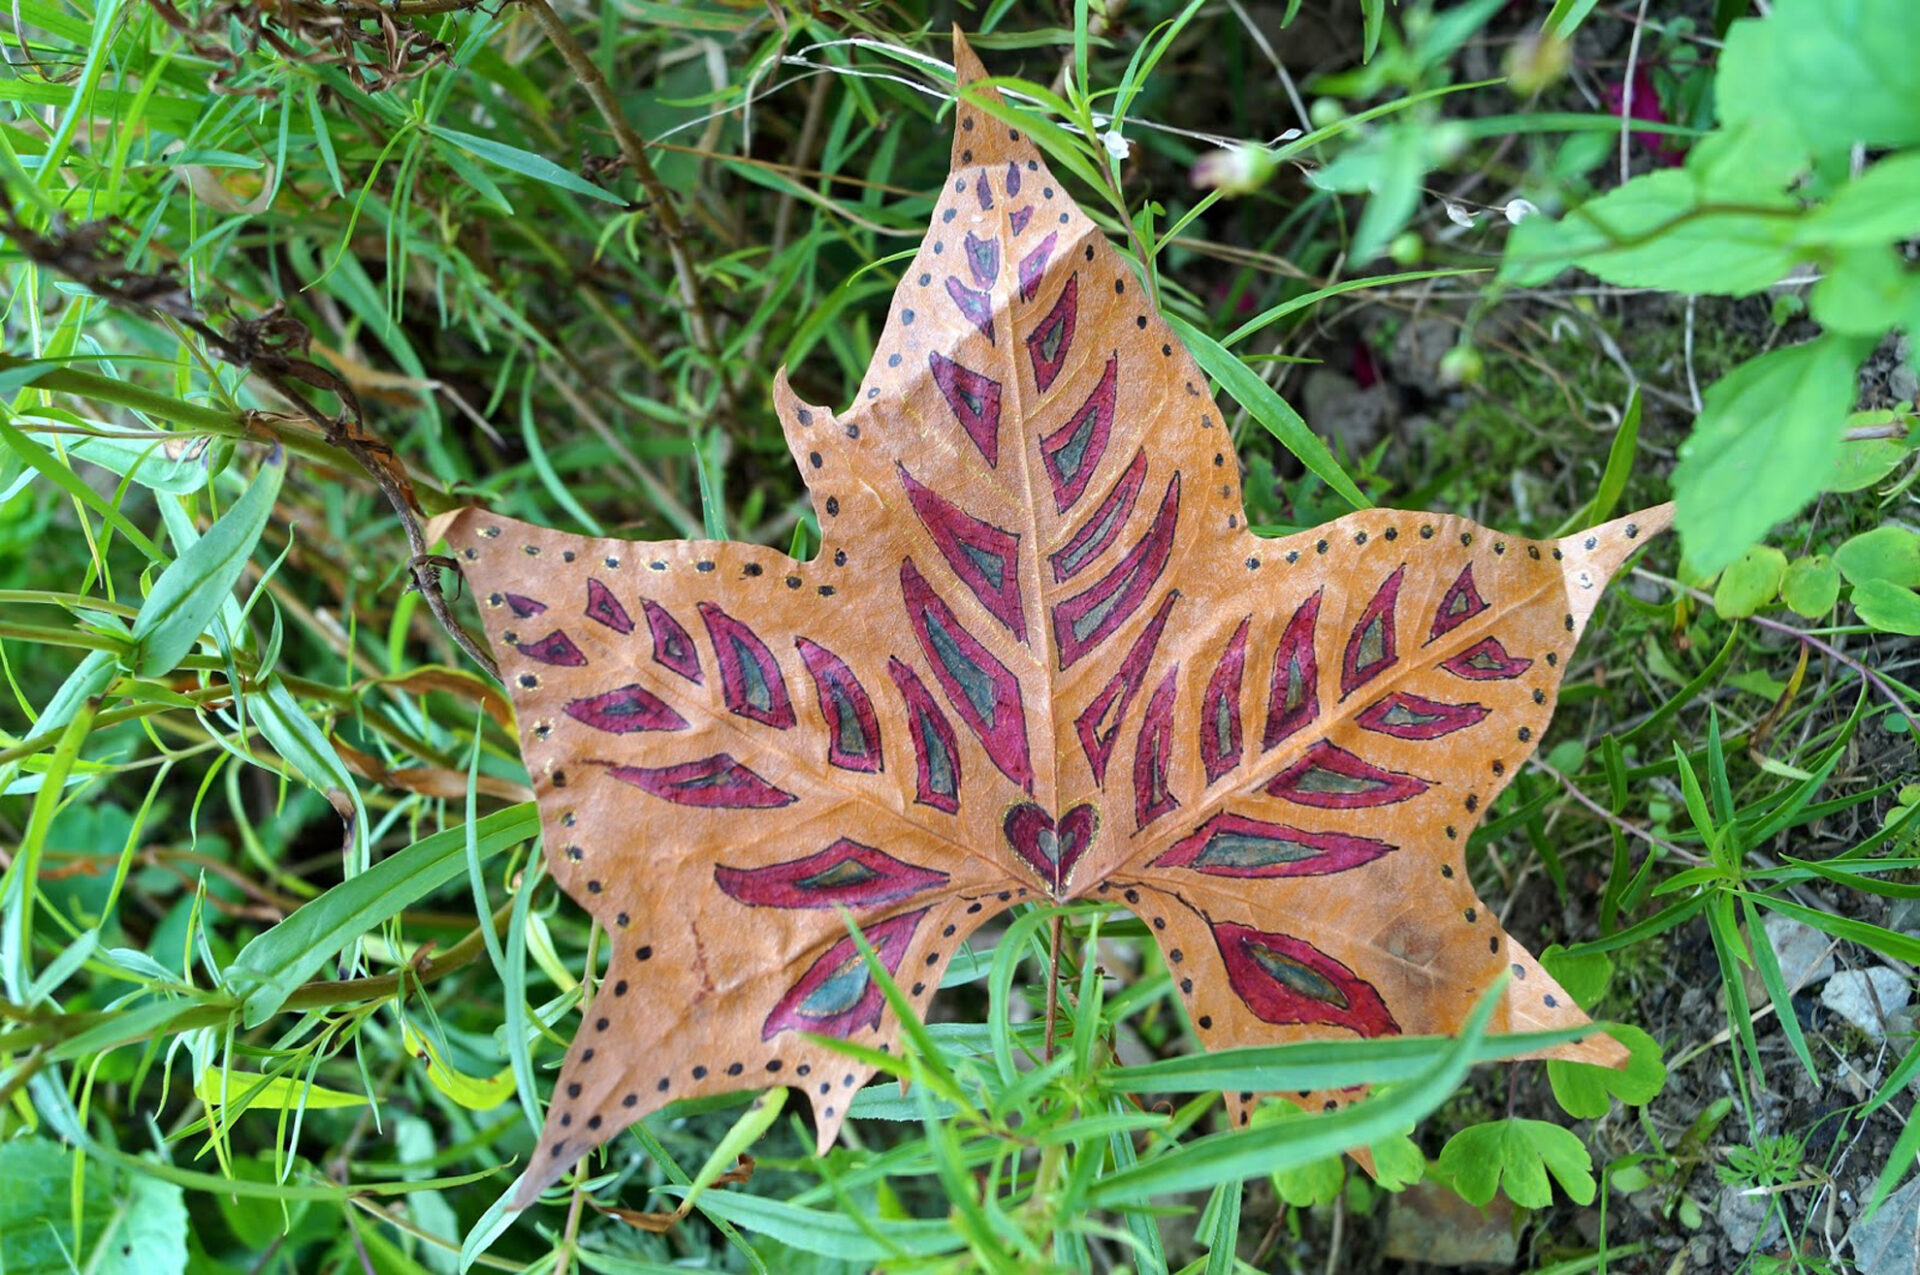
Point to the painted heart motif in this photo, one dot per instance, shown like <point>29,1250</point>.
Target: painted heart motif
<point>1051,846</point>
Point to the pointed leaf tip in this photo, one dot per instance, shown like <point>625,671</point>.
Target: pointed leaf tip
<point>980,139</point>
<point>967,66</point>
<point>1592,557</point>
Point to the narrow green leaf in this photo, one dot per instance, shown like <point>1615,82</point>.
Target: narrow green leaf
<point>1267,407</point>
<point>195,585</point>
<point>832,1234</point>
<point>1224,1157</point>
<point>526,163</point>
<point>1320,1064</point>
<point>1567,15</point>
<point>1767,961</point>
<point>62,476</point>
<point>270,967</point>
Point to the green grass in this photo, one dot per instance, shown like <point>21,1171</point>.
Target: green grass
<point>282,977</point>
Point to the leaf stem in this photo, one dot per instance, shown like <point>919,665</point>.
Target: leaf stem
<point>1827,649</point>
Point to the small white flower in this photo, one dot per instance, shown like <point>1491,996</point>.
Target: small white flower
<point>1518,210</point>
<point>1117,146</point>
<point>1458,215</point>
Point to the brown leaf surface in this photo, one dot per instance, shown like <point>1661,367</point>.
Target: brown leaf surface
<point>1038,656</point>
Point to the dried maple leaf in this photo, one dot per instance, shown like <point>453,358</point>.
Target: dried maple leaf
<point>1039,656</point>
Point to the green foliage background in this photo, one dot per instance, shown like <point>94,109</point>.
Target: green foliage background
<point>283,976</point>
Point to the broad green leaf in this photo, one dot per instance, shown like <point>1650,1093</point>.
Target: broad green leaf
<point>1811,586</point>
<point>1586,1092</point>
<point>1864,291</point>
<point>1750,582</point>
<point>1517,1155</point>
<point>1659,231</point>
<point>1888,607</point>
<point>1879,207</point>
<point>1839,72</point>
<point>1398,1162</point>
<point>1309,1185</point>
<point>1890,554</point>
<point>1585,976</point>
<point>1864,462</point>
<point>275,963</point>
<point>129,1224</point>
<point>193,588</point>
<point>1756,158</point>
<point>1762,447</point>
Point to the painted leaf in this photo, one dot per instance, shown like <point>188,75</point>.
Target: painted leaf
<point>1039,656</point>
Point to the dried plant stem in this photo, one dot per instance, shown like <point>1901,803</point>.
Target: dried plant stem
<point>271,348</point>
<point>1631,829</point>
<point>1873,679</point>
<point>1626,95</point>
<point>633,149</point>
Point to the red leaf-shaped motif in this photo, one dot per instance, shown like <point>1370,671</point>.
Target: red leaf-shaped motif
<point>1039,656</point>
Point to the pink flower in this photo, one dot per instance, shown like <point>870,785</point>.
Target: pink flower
<point>1667,150</point>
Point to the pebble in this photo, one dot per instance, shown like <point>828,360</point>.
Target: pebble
<point>1805,954</point>
<point>1339,408</point>
<point>1430,1225</point>
<point>1740,1217</point>
<point>1888,1243</point>
<point>1847,994</point>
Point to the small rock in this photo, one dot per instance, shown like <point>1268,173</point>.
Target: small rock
<point>1805,954</point>
<point>1337,407</point>
<point>1867,998</point>
<point>1429,1224</point>
<point>1904,915</point>
<point>1419,345</point>
<point>1740,1216</point>
<point>1888,1243</point>
<point>1903,382</point>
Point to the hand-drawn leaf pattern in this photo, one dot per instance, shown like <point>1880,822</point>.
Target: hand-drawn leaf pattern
<point>1039,656</point>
